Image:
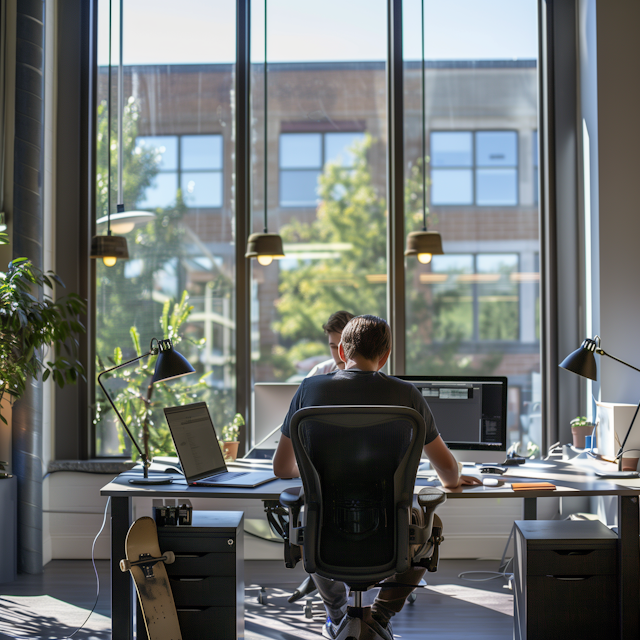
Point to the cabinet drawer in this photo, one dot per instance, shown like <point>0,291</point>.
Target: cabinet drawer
<point>571,561</point>
<point>219,621</point>
<point>578,608</point>
<point>184,542</point>
<point>193,565</point>
<point>204,592</point>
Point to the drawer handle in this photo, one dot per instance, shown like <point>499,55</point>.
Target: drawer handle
<point>190,579</point>
<point>190,555</point>
<point>569,578</point>
<point>578,552</point>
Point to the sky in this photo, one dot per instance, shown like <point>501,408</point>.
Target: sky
<point>203,31</point>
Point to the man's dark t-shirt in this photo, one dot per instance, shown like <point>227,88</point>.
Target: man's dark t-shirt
<point>353,386</point>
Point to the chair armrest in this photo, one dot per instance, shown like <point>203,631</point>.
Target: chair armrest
<point>426,529</point>
<point>292,497</point>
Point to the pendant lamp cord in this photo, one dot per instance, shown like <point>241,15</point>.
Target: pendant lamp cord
<point>109,132</point>
<point>424,128</point>
<point>266,139</point>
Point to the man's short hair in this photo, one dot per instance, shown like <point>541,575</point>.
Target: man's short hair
<point>366,336</point>
<point>337,322</point>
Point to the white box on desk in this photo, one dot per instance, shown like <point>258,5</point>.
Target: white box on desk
<point>613,420</point>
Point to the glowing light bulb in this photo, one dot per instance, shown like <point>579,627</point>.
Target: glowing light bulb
<point>109,261</point>
<point>265,261</point>
<point>424,258</point>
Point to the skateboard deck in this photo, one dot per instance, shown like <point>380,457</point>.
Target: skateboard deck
<point>146,564</point>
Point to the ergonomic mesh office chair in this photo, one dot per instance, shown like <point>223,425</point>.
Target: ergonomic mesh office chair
<point>353,519</point>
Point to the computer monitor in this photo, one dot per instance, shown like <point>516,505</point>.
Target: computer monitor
<point>470,412</point>
<point>271,402</point>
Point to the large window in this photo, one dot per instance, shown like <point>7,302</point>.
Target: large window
<point>178,165</point>
<point>321,173</point>
<point>475,309</point>
<point>478,168</point>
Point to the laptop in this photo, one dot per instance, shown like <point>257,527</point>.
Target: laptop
<point>196,442</point>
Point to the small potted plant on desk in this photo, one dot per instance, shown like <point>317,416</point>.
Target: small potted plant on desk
<point>580,428</point>
<point>230,437</point>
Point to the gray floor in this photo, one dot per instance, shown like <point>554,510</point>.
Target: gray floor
<point>50,604</point>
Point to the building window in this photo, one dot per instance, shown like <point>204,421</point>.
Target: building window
<point>302,160</point>
<point>474,168</point>
<point>192,163</point>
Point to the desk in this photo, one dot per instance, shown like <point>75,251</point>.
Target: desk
<point>569,479</point>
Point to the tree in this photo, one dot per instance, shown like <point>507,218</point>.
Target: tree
<point>352,218</point>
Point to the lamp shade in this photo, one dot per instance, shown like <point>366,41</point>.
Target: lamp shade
<point>421,242</point>
<point>264,244</point>
<point>109,247</point>
<point>170,364</point>
<point>582,361</point>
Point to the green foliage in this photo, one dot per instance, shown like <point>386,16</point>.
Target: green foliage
<point>581,421</point>
<point>352,223</point>
<point>38,336</point>
<point>231,431</point>
<point>351,214</point>
<point>128,386</point>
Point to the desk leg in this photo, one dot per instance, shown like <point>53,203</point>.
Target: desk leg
<point>121,600</point>
<point>629,566</point>
<point>530,509</point>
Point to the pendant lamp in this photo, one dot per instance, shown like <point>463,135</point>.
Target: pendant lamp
<point>424,244</point>
<point>111,248</point>
<point>265,246</point>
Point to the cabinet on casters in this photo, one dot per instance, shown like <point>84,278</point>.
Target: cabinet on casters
<point>565,580</point>
<point>207,577</point>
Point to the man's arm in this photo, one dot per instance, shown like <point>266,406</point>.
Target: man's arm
<point>284,460</point>
<point>445,464</point>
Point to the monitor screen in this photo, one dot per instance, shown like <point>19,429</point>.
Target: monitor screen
<point>470,411</point>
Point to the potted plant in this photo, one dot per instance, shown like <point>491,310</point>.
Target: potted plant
<point>37,334</point>
<point>230,437</point>
<point>580,428</point>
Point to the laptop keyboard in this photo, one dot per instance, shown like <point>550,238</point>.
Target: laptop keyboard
<point>227,475</point>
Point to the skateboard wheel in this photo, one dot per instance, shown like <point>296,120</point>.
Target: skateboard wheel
<point>262,596</point>
<point>169,557</point>
<point>411,598</point>
<point>125,566</point>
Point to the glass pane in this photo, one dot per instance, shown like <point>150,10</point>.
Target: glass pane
<point>480,317</point>
<point>326,175</point>
<point>338,147</point>
<point>498,297</point>
<point>165,149</point>
<point>161,193</point>
<point>496,186</point>
<point>202,188</point>
<point>451,149</point>
<point>299,188</point>
<point>178,132</point>
<point>451,186</point>
<point>300,150</point>
<point>496,148</point>
<point>201,152</point>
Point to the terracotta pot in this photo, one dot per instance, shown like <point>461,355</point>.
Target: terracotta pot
<point>629,464</point>
<point>579,433</point>
<point>230,450</point>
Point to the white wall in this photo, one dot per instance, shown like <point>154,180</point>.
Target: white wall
<point>618,222</point>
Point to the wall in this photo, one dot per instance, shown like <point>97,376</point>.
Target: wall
<point>618,222</point>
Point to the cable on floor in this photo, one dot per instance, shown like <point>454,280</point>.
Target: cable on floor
<point>95,570</point>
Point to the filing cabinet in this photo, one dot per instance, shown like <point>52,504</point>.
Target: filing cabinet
<point>207,577</point>
<point>565,580</point>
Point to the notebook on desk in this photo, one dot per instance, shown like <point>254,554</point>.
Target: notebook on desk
<point>196,442</point>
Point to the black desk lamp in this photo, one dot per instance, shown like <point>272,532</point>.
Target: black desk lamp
<point>170,364</point>
<point>582,361</point>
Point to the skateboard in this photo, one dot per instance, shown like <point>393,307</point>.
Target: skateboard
<point>146,564</point>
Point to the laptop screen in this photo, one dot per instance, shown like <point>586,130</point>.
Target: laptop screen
<point>195,440</point>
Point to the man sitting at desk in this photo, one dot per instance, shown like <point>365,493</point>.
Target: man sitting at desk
<point>365,348</point>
